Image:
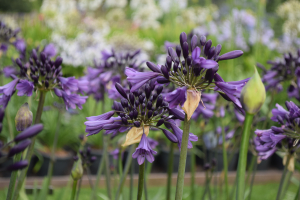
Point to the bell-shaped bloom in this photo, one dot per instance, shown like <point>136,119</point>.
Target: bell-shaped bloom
<point>137,79</point>
<point>72,100</point>
<point>25,87</point>
<point>69,84</point>
<point>83,86</point>
<point>135,135</point>
<point>178,132</point>
<point>177,97</point>
<point>192,102</point>
<point>9,70</point>
<point>94,127</point>
<point>144,151</point>
<point>280,111</point>
<point>8,89</point>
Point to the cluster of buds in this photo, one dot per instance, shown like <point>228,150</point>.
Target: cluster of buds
<point>104,75</point>
<point>138,112</point>
<point>43,74</point>
<point>210,166</point>
<point>191,73</point>
<point>86,157</point>
<point>286,70</point>
<point>284,138</point>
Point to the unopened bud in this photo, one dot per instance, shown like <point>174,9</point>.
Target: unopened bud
<point>253,94</point>
<point>77,170</point>
<point>23,118</point>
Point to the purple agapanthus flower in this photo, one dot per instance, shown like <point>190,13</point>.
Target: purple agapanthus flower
<point>25,87</point>
<point>9,70</point>
<point>193,66</point>
<point>103,76</point>
<point>50,50</point>
<point>284,70</point>
<point>144,151</point>
<point>8,89</point>
<point>284,137</point>
<point>69,84</point>
<point>177,97</point>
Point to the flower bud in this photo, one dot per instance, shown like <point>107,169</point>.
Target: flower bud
<point>147,90</point>
<point>58,62</point>
<point>18,165</point>
<point>131,98</point>
<point>162,80</point>
<point>149,105</point>
<point>185,49</point>
<point>153,67</point>
<point>182,38</point>
<point>19,147</point>
<point>29,132</point>
<point>160,122</point>
<point>23,118</point>
<point>194,42</point>
<point>231,55</point>
<point>207,47</point>
<point>159,101</point>
<point>137,124</point>
<point>121,90</point>
<point>170,136</point>
<point>178,50</point>
<point>202,40</point>
<point>253,94</point>
<point>124,103</point>
<point>77,170</point>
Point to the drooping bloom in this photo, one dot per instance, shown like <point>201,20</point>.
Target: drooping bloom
<point>25,87</point>
<point>138,112</point>
<point>144,151</point>
<point>193,70</point>
<point>284,138</point>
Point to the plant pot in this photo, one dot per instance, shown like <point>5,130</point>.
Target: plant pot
<point>95,165</point>
<point>263,165</point>
<point>199,160</point>
<point>232,158</point>
<point>164,160</point>
<point>276,162</point>
<point>62,165</point>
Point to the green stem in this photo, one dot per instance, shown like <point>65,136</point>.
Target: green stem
<point>99,172</point>
<point>253,177</point>
<point>145,188</point>
<point>74,189</point>
<point>131,182</point>
<point>79,186</point>
<point>170,171</point>
<point>253,163</point>
<point>13,179</point>
<point>225,161</point>
<point>243,157</point>
<point>182,159</point>
<point>120,163</point>
<point>106,161</point>
<point>193,169</point>
<point>125,172</point>
<point>10,126</point>
<point>282,179</point>
<point>31,146</point>
<point>286,183</point>
<point>297,197</point>
<point>141,181</point>
<point>45,189</point>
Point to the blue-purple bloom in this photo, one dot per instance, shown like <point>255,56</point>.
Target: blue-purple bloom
<point>25,87</point>
<point>194,67</point>
<point>143,151</point>
<point>284,137</point>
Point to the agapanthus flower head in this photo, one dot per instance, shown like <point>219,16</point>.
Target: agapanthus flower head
<point>43,74</point>
<point>286,69</point>
<point>191,68</point>
<point>138,112</point>
<point>109,71</point>
<point>283,138</point>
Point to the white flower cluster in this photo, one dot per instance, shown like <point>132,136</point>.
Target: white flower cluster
<point>198,15</point>
<point>146,14</point>
<point>243,31</point>
<point>168,5</point>
<point>290,12</point>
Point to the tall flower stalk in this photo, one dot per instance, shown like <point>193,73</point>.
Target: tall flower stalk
<point>191,74</point>
<point>252,97</point>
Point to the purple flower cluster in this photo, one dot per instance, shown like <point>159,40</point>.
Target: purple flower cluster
<point>7,35</point>
<point>103,76</point>
<point>286,70</point>
<point>43,74</point>
<point>138,112</point>
<point>286,136</point>
<point>191,67</point>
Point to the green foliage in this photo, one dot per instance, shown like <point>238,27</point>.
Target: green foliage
<point>20,5</point>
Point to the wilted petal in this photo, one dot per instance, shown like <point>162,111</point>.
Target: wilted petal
<point>192,102</point>
<point>135,135</point>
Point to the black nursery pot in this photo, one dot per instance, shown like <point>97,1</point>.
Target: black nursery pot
<point>164,160</point>
<point>232,158</point>
<point>62,165</point>
<point>276,162</point>
<point>263,165</point>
